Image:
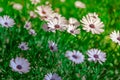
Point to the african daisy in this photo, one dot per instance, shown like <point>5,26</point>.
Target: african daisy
<point>92,23</point>
<point>23,46</point>
<point>27,25</point>
<point>73,30</point>
<point>115,36</point>
<point>20,65</point>
<point>6,21</point>
<point>75,56</point>
<point>44,11</point>
<point>96,55</point>
<point>53,46</point>
<point>51,76</point>
<point>79,4</point>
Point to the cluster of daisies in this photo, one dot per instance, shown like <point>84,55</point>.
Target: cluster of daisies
<point>54,21</point>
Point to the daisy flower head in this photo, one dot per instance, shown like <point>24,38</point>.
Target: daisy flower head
<point>96,55</point>
<point>79,4</point>
<point>35,1</point>
<point>20,65</point>
<point>27,25</point>
<point>23,46</point>
<point>32,14</point>
<point>44,11</point>
<point>92,24</point>
<point>57,23</point>
<point>75,56</point>
<point>115,36</point>
<point>6,21</point>
<point>74,21</point>
<point>32,32</point>
<point>52,46</point>
<point>51,76</point>
<point>17,6</point>
<point>73,30</point>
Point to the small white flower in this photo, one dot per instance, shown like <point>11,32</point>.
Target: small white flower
<point>23,46</point>
<point>32,32</point>
<point>73,30</point>
<point>6,21</point>
<point>20,65</point>
<point>44,11</point>
<point>35,1</point>
<point>1,9</point>
<point>75,56</point>
<point>74,21</point>
<point>79,4</point>
<point>115,36</point>
<point>96,55</point>
<point>92,23</point>
<point>17,6</point>
<point>32,14</point>
<point>51,76</point>
<point>53,46</point>
<point>27,25</point>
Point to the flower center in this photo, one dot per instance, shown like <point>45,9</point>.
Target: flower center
<point>92,26</point>
<point>19,67</point>
<point>95,56</point>
<point>43,12</point>
<point>118,38</point>
<point>72,31</point>
<point>57,26</point>
<point>6,23</point>
<point>51,47</point>
<point>74,56</point>
<point>52,79</point>
<point>22,47</point>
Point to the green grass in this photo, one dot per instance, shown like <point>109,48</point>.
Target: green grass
<point>42,60</point>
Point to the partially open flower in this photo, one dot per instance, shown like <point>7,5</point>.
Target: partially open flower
<point>53,46</point>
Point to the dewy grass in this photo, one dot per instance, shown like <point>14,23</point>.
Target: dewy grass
<point>59,40</point>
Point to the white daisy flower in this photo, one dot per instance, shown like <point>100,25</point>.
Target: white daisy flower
<point>44,11</point>
<point>51,76</point>
<point>35,1</point>
<point>32,32</point>
<point>79,4</point>
<point>6,21</point>
<point>92,24</point>
<point>27,25</point>
<point>115,36</point>
<point>73,30</point>
<point>57,22</point>
<point>32,14</point>
<point>20,65</point>
<point>75,56</point>
<point>1,9</point>
<point>96,55</point>
<point>17,6</point>
<point>23,46</point>
<point>74,21</point>
<point>53,46</point>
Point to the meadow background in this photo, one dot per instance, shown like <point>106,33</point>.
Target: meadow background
<point>42,60</point>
